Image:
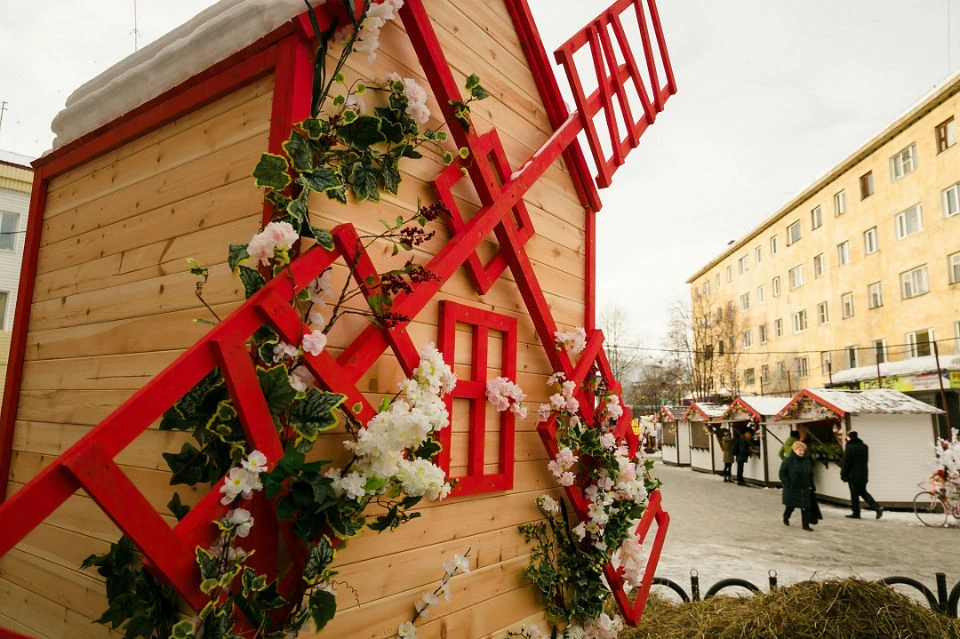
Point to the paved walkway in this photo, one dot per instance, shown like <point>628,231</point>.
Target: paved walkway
<point>723,530</point>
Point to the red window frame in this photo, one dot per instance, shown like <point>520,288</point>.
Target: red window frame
<point>474,389</point>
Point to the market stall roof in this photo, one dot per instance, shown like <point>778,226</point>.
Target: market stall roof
<point>911,366</point>
<point>758,407</point>
<point>822,403</point>
<point>673,413</point>
<point>709,412</point>
<point>212,35</point>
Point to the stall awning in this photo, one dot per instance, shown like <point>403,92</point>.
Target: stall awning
<point>705,411</point>
<point>824,403</point>
<point>755,407</point>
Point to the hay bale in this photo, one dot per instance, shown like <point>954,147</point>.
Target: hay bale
<point>845,609</point>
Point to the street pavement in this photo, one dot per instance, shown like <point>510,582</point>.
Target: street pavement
<point>722,530</point>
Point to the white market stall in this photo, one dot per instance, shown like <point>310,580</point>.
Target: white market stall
<point>899,430</point>
<point>675,437</point>
<point>759,413</point>
<point>703,418</point>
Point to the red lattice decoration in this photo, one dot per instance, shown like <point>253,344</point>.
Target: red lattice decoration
<point>90,463</point>
<point>474,390</point>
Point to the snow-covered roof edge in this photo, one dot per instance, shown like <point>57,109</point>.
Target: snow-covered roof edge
<point>16,159</point>
<point>940,93</point>
<point>856,402</point>
<point>911,366</point>
<point>706,410</point>
<point>759,406</point>
<point>209,37</point>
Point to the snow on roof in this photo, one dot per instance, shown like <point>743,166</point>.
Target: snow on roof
<point>911,366</point>
<point>674,413</point>
<point>858,402</point>
<point>212,35</point>
<point>708,410</point>
<point>9,157</point>
<point>763,406</point>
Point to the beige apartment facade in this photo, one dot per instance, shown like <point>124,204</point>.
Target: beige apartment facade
<point>851,282</point>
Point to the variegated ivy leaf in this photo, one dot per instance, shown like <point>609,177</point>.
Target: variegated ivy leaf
<point>271,172</point>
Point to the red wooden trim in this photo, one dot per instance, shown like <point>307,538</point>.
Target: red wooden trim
<point>526,28</point>
<point>10,634</point>
<point>816,399</point>
<point>739,403</point>
<point>633,610</point>
<point>21,320</point>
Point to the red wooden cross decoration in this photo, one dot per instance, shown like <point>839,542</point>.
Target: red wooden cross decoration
<point>90,465</point>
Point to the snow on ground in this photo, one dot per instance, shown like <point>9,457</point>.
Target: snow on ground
<point>722,530</point>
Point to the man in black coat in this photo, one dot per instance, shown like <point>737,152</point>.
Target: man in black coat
<point>796,476</point>
<point>856,456</point>
<point>742,447</point>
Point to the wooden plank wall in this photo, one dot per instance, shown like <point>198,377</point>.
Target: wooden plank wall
<point>114,305</point>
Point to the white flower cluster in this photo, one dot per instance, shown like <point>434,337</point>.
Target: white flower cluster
<point>948,457</point>
<point>631,559</point>
<point>314,340</point>
<point>382,448</point>
<point>275,236</point>
<point>244,479</point>
<point>377,16</point>
<point>416,97</point>
<point>505,395</point>
<point>573,341</point>
<point>562,466</point>
<point>603,627</point>
<point>562,402</point>
<point>459,564</point>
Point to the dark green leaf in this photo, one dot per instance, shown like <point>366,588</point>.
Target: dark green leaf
<point>473,80</point>
<point>252,281</point>
<point>340,195</point>
<point>237,255</point>
<point>390,175</point>
<point>183,630</point>
<point>279,200</point>
<point>410,152</point>
<point>298,148</point>
<point>207,563</point>
<point>285,508</point>
<point>265,339</point>
<point>479,93</point>
<point>323,606</point>
<point>322,179</point>
<point>177,507</point>
<point>322,236</point>
<point>194,408</point>
<point>313,127</point>
<point>187,466</point>
<point>297,209</point>
<point>363,182</point>
<point>271,172</point>
<point>276,388</point>
<point>314,413</point>
<point>362,132</point>
<point>427,450</point>
<point>321,554</point>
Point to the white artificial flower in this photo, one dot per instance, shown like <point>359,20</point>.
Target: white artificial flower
<point>407,631</point>
<point>580,530</point>
<point>548,504</point>
<point>239,481</point>
<point>283,350</point>
<point>314,342</point>
<point>301,379</point>
<point>256,462</point>
<point>423,606</point>
<point>242,519</point>
<point>574,341</point>
<point>276,235</point>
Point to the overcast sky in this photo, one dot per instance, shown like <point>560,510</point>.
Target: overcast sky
<point>771,94</point>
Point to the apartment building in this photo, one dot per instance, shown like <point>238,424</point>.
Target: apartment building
<point>856,281</point>
<point>16,179</point>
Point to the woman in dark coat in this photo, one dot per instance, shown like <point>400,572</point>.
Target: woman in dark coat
<point>796,475</point>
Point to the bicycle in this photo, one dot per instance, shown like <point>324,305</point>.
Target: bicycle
<point>938,500</point>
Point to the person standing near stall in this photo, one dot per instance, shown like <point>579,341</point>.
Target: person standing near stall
<point>796,475</point>
<point>743,447</point>
<point>856,457</point>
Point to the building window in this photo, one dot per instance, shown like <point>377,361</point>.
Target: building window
<point>840,203</point>
<point>721,349</point>
<point>747,338</point>
<point>729,273</point>
<point>778,328</point>
<point>914,282</point>
<point>795,276</point>
<point>880,350</point>
<point>774,242</point>
<point>719,314</point>
<point>781,371</point>
<point>762,330</point>
<point>745,302</point>
<point>757,254</point>
<point>749,377</point>
<point>956,338</point>
<point>846,301</point>
<point>760,294</point>
<point>946,135</point>
<point>706,287</point>
<point>903,163</point>
<point>776,286</point>
<point>708,351</point>
<point>823,316</point>
<point>744,264</point>
<point>843,252</point>
<point>866,185</point>
<point>871,243</point>
<point>765,373</point>
<point>954,261</point>
<point>818,265</point>
<point>825,364</point>
<point>799,320</point>
<point>8,231</point>
<point>919,343</point>
<point>802,366</point>
<point>718,282</point>
<point>851,356</point>
<point>816,218</point>
<point>793,233</point>
<point>909,222</point>
<point>875,295</point>
<point>4,298</point>
<point>951,200</point>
